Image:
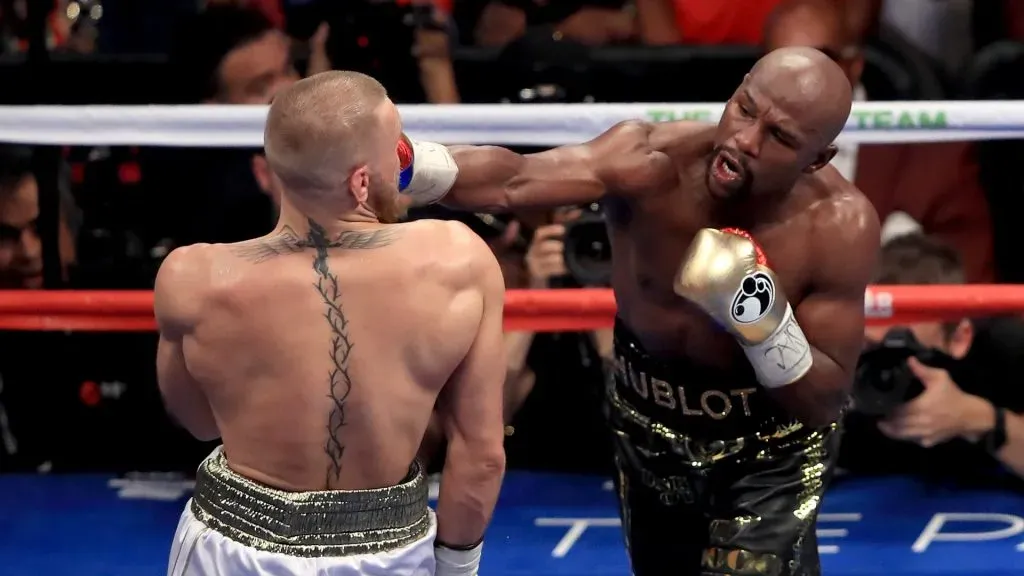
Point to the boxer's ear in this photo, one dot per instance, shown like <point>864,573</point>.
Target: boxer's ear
<point>823,158</point>
<point>359,184</point>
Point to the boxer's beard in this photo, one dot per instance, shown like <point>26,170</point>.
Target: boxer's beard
<point>383,199</point>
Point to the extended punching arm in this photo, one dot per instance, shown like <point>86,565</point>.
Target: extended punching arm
<point>493,179</point>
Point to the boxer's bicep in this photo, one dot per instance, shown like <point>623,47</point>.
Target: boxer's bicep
<point>832,316</point>
<point>845,252</point>
<point>183,398</point>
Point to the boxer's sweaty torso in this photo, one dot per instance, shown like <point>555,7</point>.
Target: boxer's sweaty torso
<point>322,354</point>
<point>650,234</point>
<point>699,444</point>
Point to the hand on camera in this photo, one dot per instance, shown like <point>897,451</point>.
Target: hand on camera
<point>545,258</point>
<point>939,414</point>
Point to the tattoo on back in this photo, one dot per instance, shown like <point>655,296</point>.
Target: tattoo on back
<point>288,242</point>
<point>339,378</point>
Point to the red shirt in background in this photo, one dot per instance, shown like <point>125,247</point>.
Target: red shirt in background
<point>722,21</point>
<point>442,5</point>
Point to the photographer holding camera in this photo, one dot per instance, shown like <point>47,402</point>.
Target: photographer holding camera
<point>942,399</point>
<point>553,385</point>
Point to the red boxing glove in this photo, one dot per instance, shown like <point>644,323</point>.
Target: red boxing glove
<point>427,170</point>
<point>404,154</point>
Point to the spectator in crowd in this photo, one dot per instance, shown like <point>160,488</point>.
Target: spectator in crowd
<point>941,30</point>
<point>554,380</point>
<point>499,22</point>
<point>553,386</point>
<point>224,55</point>
<point>733,22</point>
<point>968,415</point>
<point>21,248</point>
<point>403,44</point>
<point>935,185</point>
<point>232,55</point>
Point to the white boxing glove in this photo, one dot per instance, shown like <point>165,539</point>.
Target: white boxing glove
<point>457,562</point>
<point>428,170</point>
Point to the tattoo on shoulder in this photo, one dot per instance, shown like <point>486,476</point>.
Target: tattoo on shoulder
<point>288,242</point>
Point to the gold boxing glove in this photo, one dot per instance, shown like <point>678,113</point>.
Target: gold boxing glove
<point>727,275</point>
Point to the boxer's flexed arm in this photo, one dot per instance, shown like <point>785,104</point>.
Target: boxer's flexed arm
<point>176,305</point>
<point>471,409</point>
<point>844,255</point>
<point>805,357</point>
<point>620,161</point>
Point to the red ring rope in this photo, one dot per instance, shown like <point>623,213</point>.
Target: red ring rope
<point>533,310</point>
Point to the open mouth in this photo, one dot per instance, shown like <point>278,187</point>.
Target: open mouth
<point>727,170</point>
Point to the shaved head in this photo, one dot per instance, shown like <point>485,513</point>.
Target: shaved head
<point>780,123</point>
<point>806,80</point>
<point>321,128</point>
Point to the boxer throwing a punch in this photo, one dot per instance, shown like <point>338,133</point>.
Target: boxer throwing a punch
<point>317,354</point>
<point>740,260</point>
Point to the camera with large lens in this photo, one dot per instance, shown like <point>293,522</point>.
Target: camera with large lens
<point>883,380</point>
<point>588,252</point>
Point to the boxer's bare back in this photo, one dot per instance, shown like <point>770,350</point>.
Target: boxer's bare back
<point>660,185</point>
<point>321,355</point>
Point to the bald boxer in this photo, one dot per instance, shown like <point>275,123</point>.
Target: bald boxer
<point>740,263</point>
<point>317,353</point>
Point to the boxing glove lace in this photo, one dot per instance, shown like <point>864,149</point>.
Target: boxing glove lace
<point>427,170</point>
<point>726,274</point>
<point>457,561</point>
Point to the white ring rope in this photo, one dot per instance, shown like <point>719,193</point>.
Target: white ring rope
<point>508,124</point>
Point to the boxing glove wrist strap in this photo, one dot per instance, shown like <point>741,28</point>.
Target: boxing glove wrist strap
<point>430,173</point>
<point>457,561</point>
<point>783,357</point>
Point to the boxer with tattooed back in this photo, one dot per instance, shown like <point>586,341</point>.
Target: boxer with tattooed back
<point>317,354</point>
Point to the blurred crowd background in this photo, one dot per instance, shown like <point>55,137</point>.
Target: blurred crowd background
<point>104,217</point>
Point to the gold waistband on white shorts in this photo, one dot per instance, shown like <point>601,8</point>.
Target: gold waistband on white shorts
<point>310,524</point>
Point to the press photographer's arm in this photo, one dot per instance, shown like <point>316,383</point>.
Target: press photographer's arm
<point>944,412</point>
<point>544,261</point>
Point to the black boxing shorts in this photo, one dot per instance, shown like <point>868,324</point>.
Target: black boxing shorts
<point>712,477</point>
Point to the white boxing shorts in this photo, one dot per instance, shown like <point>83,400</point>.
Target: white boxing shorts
<point>235,526</point>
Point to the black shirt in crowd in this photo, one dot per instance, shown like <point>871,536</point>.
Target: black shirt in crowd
<point>992,369</point>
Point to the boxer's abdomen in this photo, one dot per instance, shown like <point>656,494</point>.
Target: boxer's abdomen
<point>687,397</point>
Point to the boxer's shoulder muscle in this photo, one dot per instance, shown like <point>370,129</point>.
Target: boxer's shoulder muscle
<point>682,137</point>
<point>181,284</point>
<point>845,233</point>
<point>442,246</point>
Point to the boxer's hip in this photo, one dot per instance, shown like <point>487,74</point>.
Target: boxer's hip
<point>751,514</point>
<point>679,407</point>
<point>334,523</point>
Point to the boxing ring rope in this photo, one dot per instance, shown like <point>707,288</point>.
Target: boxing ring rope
<point>507,124</point>
<point>502,124</point>
<point>532,310</point>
